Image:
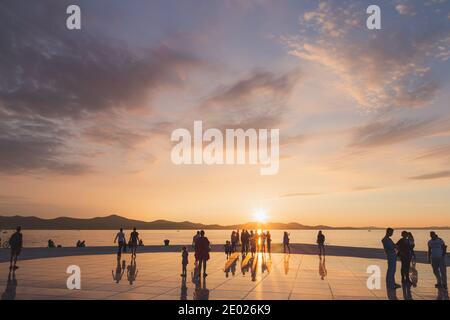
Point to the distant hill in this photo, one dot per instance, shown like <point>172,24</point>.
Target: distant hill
<point>114,222</point>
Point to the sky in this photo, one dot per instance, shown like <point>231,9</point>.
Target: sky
<point>86,115</point>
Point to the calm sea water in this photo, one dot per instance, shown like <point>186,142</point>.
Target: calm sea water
<point>354,238</point>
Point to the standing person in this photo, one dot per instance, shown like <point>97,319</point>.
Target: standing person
<point>243,241</point>
<point>436,256</point>
<point>120,238</point>
<point>286,242</point>
<point>252,242</point>
<point>134,241</point>
<point>263,242</point>
<point>16,243</point>
<point>269,240</point>
<point>194,238</point>
<point>404,252</point>
<point>321,243</point>
<point>202,252</point>
<point>233,241</point>
<point>389,248</point>
<point>412,244</point>
<point>184,261</point>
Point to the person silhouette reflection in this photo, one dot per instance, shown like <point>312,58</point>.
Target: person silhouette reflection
<point>184,290</point>
<point>11,285</point>
<point>201,292</point>
<point>286,263</point>
<point>120,270</point>
<point>442,294</point>
<point>322,267</point>
<point>132,271</point>
<point>391,294</point>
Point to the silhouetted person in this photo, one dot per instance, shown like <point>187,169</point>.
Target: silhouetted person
<point>228,248</point>
<point>16,243</point>
<point>437,251</point>
<point>134,241</point>
<point>184,261</point>
<point>51,244</point>
<point>269,241</point>
<point>202,252</point>
<point>244,241</point>
<point>391,255</point>
<point>194,238</point>
<point>412,244</point>
<point>263,242</point>
<point>121,240</point>
<point>321,243</point>
<point>252,242</point>
<point>404,252</point>
<point>286,242</point>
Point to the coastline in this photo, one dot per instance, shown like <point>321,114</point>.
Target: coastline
<point>296,248</point>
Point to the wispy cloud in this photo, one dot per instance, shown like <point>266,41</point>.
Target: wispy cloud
<point>432,176</point>
<point>382,69</point>
<point>387,132</point>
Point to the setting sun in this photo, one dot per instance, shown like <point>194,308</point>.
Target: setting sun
<point>260,216</point>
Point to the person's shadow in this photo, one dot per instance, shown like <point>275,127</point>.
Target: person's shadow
<point>11,285</point>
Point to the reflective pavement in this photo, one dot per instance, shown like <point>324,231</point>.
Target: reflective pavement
<point>157,276</point>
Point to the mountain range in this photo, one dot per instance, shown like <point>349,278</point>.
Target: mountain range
<point>113,222</point>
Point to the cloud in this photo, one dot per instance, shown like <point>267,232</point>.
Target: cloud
<point>52,79</point>
<point>255,101</point>
<point>365,188</point>
<point>35,146</point>
<point>432,176</point>
<point>51,72</point>
<point>387,132</point>
<point>393,67</point>
<point>300,194</point>
<point>437,152</point>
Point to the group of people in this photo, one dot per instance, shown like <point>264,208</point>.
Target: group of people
<point>133,243</point>
<point>255,241</point>
<point>404,249</point>
<point>202,247</point>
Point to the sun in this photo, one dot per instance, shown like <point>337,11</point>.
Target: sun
<point>260,216</point>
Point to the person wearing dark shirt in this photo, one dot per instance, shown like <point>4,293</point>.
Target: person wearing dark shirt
<point>184,261</point>
<point>389,248</point>
<point>16,242</point>
<point>134,241</point>
<point>404,252</point>
<point>269,241</point>
<point>321,243</point>
<point>202,252</point>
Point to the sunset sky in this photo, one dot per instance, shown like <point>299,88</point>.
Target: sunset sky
<point>364,115</point>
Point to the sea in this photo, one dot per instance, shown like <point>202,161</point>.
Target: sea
<point>352,238</point>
